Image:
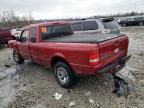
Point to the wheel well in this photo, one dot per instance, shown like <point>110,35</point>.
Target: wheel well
<point>57,59</point>
<point>123,22</point>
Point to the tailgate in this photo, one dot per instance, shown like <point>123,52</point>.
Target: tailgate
<point>111,50</point>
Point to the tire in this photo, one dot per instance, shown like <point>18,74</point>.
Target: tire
<point>64,75</point>
<point>141,23</point>
<point>18,58</point>
<point>123,25</point>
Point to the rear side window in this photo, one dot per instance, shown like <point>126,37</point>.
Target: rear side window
<point>55,31</point>
<point>33,34</point>
<point>111,24</point>
<point>77,26</point>
<point>90,25</point>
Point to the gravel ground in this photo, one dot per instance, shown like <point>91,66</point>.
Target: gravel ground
<point>33,86</point>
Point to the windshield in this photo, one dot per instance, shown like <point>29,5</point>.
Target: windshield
<point>55,31</point>
<point>111,25</point>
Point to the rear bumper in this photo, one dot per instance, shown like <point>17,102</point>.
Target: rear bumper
<point>113,67</point>
<point>116,66</point>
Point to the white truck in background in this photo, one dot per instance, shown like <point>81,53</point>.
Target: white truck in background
<point>16,32</point>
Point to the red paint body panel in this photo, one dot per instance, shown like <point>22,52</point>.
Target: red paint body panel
<point>76,54</point>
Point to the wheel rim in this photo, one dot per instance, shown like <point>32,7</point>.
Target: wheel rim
<point>124,25</point>
<point>16,57</point>
<point>141,23</point>
<point>62,75</point>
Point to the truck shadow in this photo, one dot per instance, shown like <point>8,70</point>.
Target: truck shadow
<point>38,72</point>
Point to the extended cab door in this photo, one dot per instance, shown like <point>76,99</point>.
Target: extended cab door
<point>34,44</point>
<point>23,45</point>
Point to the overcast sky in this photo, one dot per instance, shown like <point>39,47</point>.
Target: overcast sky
<point>48,9</point>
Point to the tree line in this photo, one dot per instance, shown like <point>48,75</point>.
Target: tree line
<point>126,14</point>
<point>8,19</point>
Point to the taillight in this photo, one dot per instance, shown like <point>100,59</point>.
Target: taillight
<point>94,58</point>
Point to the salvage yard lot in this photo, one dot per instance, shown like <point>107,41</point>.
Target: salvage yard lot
<point>33,86</point>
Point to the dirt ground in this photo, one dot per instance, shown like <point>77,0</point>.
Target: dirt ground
<point>33,86</point>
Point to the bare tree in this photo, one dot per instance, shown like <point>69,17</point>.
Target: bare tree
<point>11,20</point>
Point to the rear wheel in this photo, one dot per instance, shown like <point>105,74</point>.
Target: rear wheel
<point>64,75</point>
<point>141,24</point>
<point>18,58</point>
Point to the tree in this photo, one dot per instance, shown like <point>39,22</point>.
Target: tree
<point>11,20</point>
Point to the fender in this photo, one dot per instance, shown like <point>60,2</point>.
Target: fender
<point>57,56</point>
<point>13,45</point>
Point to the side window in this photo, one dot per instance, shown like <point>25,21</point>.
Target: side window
<point>25,36</point>
<point>33,35</point>
<point>90,25</point>
<point>77,26</point>
<point>111,25</point>
<point>48,32</point>
<point>138,18</point>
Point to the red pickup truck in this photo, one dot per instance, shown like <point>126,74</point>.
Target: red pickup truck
<point>54,45</point>
<point>5,36</point>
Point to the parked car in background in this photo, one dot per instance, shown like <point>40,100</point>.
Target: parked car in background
<point>54,45</point>
<point>87,25</point>
<point>99,25</point>
<point>5,36</point>
<point>16,32</point>
<point>129,21</point>
<point>111,25</point>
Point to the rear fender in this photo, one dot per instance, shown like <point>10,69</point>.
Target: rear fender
<point>58,56</point>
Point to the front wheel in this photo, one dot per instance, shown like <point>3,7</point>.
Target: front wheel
<point>123,25</point>
<point>64,75</point>
<point>18,58</point>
